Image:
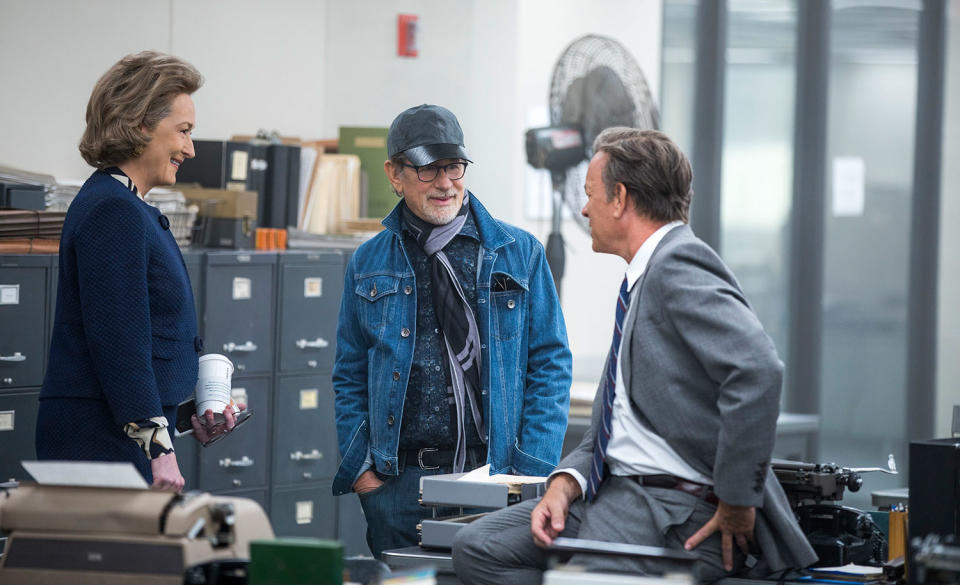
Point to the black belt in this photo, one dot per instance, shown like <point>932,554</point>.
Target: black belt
<point>432,458</point>
<point>678,483</point>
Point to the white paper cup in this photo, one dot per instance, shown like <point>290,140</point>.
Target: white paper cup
<point>213,384</point>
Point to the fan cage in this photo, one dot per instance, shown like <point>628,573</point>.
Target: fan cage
<point>582,56</point>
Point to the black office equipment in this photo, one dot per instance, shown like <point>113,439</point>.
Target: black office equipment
<point>282,192</point>
<point>208,166</point>
<point>934,490</point>
<point>22,196</point>
<point>838,534</point>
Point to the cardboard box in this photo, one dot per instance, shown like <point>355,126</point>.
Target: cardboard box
<point>221,203</point>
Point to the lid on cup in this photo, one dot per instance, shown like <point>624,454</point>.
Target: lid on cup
<point>215,356</point>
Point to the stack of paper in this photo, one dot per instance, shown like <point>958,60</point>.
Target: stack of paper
<point>334,194</point>
<point>849,572</point>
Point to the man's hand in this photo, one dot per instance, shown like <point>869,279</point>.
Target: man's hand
<point>367,482</point>
<point>735,523</point>
<point>206,429</point>
<point>166,473</point>
<point>549,517</point>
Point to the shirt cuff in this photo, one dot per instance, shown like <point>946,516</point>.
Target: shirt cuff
<point>575,475</point>
<point>151,435</point>
<point>367,465</point>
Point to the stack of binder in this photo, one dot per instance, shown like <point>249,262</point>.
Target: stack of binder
<point>25,232</point>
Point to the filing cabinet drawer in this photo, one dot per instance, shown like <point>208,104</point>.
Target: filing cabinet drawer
<point>240,460</point>
<point>310,290</point>
<point>18,427</point>
<point>305,445</point>
<point>186,447</point>
<point>52,283</point>
<point>238,305</point>
<point>258,496</point>
<point>23,319</point>
<point>307,511</point>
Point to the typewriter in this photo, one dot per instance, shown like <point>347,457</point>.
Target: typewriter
<point>838,534</point>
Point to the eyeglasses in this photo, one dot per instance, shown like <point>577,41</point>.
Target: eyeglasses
<point>429,173</point>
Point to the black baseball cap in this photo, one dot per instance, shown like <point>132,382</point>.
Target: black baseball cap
<point>426,134</point>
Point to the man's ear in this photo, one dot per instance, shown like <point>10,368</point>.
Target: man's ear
<point>620,200</point>
<point>392,173</point>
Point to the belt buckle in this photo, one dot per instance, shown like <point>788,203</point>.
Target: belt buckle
<point>420,457</point>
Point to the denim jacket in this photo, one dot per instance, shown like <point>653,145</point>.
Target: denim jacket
<point>526,363</point>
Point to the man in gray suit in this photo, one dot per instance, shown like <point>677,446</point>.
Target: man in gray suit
<point>683,425</point>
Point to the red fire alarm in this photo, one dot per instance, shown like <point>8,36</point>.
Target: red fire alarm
<point>407,25</point>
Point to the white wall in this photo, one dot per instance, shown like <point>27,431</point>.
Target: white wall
<point>466,63</point>
<point>51,54</point>
<point>948,366</point>
<point>263,64</point>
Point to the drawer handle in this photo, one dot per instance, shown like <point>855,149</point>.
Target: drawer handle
<point>301,456</point>
<point>318,343</point>
<point>16,357</point>
<point>233,347</point>
<point>243,462</point>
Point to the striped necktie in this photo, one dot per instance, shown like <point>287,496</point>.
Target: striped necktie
<point>609,388</point>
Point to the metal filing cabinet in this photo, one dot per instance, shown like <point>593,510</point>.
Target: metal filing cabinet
<point>239,299</point>
<point>238,304</point>
<point>186,447</point>
<point>53,281</point>
<point>305,511</point>
<point>18,424</point>
<point>310,287</point>
<point>259,496</point>
<point>305,442</point>
<point>241,460</point>
<point>24,323</point>
<point>193,260</point>
<point>23,319</point>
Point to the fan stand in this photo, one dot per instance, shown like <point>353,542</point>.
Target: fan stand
<point>556,256</point>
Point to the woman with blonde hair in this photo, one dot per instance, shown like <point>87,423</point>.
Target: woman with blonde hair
<point>124,348</point>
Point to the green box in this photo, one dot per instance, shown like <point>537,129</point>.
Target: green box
<point>296,561</point>
<point>370,145</point>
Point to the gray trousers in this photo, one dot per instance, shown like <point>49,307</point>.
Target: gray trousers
<point>499,549</point>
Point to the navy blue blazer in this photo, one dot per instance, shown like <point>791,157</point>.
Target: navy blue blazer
<point>124,345</point>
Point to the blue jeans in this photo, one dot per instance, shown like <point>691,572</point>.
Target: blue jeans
<point>393,510</point>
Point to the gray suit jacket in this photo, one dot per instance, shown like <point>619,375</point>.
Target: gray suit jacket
<point>702,373</point>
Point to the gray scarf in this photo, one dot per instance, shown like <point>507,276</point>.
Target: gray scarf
<point>457,323</point>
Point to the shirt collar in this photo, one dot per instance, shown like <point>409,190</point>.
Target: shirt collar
<point>119,175</point>
<point>638,265</point>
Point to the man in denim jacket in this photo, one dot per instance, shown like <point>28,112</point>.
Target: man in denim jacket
<point>451,345</point>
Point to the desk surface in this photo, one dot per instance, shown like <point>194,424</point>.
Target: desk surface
<point>886,498</point>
